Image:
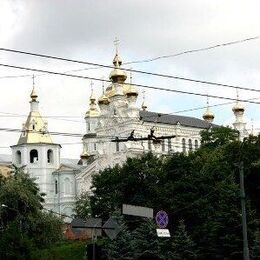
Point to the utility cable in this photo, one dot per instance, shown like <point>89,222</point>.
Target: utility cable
<point>195,50</point>
<point>138,85</point>
<point>126,69</point>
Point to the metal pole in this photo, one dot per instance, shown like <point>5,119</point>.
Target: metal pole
<point>243,206</point>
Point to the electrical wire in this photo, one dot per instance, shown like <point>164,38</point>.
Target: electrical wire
<point>60,117</point>
<point>138,85</point>
<point>194,50</point>
<point>126,69</point>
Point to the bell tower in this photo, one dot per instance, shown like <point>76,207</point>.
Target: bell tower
<point>36,151</point>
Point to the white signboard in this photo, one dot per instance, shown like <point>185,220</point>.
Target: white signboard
<point>163,232</point>
<point>137,211</point>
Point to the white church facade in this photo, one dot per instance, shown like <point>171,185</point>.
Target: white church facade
<point>114,116</point>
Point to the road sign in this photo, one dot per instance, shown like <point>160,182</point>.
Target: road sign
<point>90,223</point>
<point>162,219</point>
<point>137,211</point>
<point>111,228</point>
<point>163,232</point>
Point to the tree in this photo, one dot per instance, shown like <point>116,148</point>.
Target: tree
<point>256,245</point>
<point>217,136</point>
<point>183,246</point>
<point>82,207</point>
<point>24,224</point>
<point>201,188</point>
<point>132,183</point>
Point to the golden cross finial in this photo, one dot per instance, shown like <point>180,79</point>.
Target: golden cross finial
<point>143,94</point>
<point>33,79</point>
<point>91,86</point>
<point>116,43</point>
<point>103,84</point>
<point>237,94</point>
<point>131,76</point>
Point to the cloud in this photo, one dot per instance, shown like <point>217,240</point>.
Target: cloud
<point>85,30</point>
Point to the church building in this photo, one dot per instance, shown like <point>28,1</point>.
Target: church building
<point>111,118</point>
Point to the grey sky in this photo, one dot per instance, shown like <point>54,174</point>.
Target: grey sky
<point>86,30</point>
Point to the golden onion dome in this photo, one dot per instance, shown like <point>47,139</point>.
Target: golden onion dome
<point>34,95</point>
<point>208,115</point>
<point>117,76</point>
<point>130,90</point>
<point>238,107</point>
<point>103,100</point>
<point>84,155</point>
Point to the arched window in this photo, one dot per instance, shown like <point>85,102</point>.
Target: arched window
<point>50,156</point>
<point>56,186</point>
<point>196,145</point>
<point>95,146</point>
<point>163,145</point>
<point>149,145</point>
<point>169,145</point>
<point>190,145</point>
<point>117,147</point>
<point>88,126</point>
<point>183,145</point>
<point>18,157</point>
<point>33,156</point>
<point>67,186</point>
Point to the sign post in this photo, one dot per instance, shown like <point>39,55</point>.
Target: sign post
<point>111,228</point>
<point>162,221</point>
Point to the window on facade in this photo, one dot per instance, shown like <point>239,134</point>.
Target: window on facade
<point>88,126</point>
<point>163,145</point>
<point>196,144</point>
<point>18,157</point>
<point>33,156</point>
<point>50,156</point>
<point>95,146</point>
<point>183,145</point>
<point>149,145</point>
<point>117,146</point>
<point>169,144</point>
<point>56,187</point>
<point>67,186</point>
<point>190,145</point>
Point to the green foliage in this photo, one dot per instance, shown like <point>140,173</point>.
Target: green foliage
<point>82,207</point>
<point>23,223</point>
<point>201,189</point>
<point>73,250</point>
<point>256,246</point>
<point>182,245</point>
<point>217,136</point>
<point>132,183</point>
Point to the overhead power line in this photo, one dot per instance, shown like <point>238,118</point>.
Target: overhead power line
<point>138,85</point>
<point>195,50</point>
<point>65,118</point>
<point>126,69</point>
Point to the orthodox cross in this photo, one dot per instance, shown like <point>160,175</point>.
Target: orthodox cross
<point>116,43</point>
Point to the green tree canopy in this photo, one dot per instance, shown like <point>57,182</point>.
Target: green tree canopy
<point>24,224</point>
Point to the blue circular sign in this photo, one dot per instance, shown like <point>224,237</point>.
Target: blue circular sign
<point>162,219</point>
